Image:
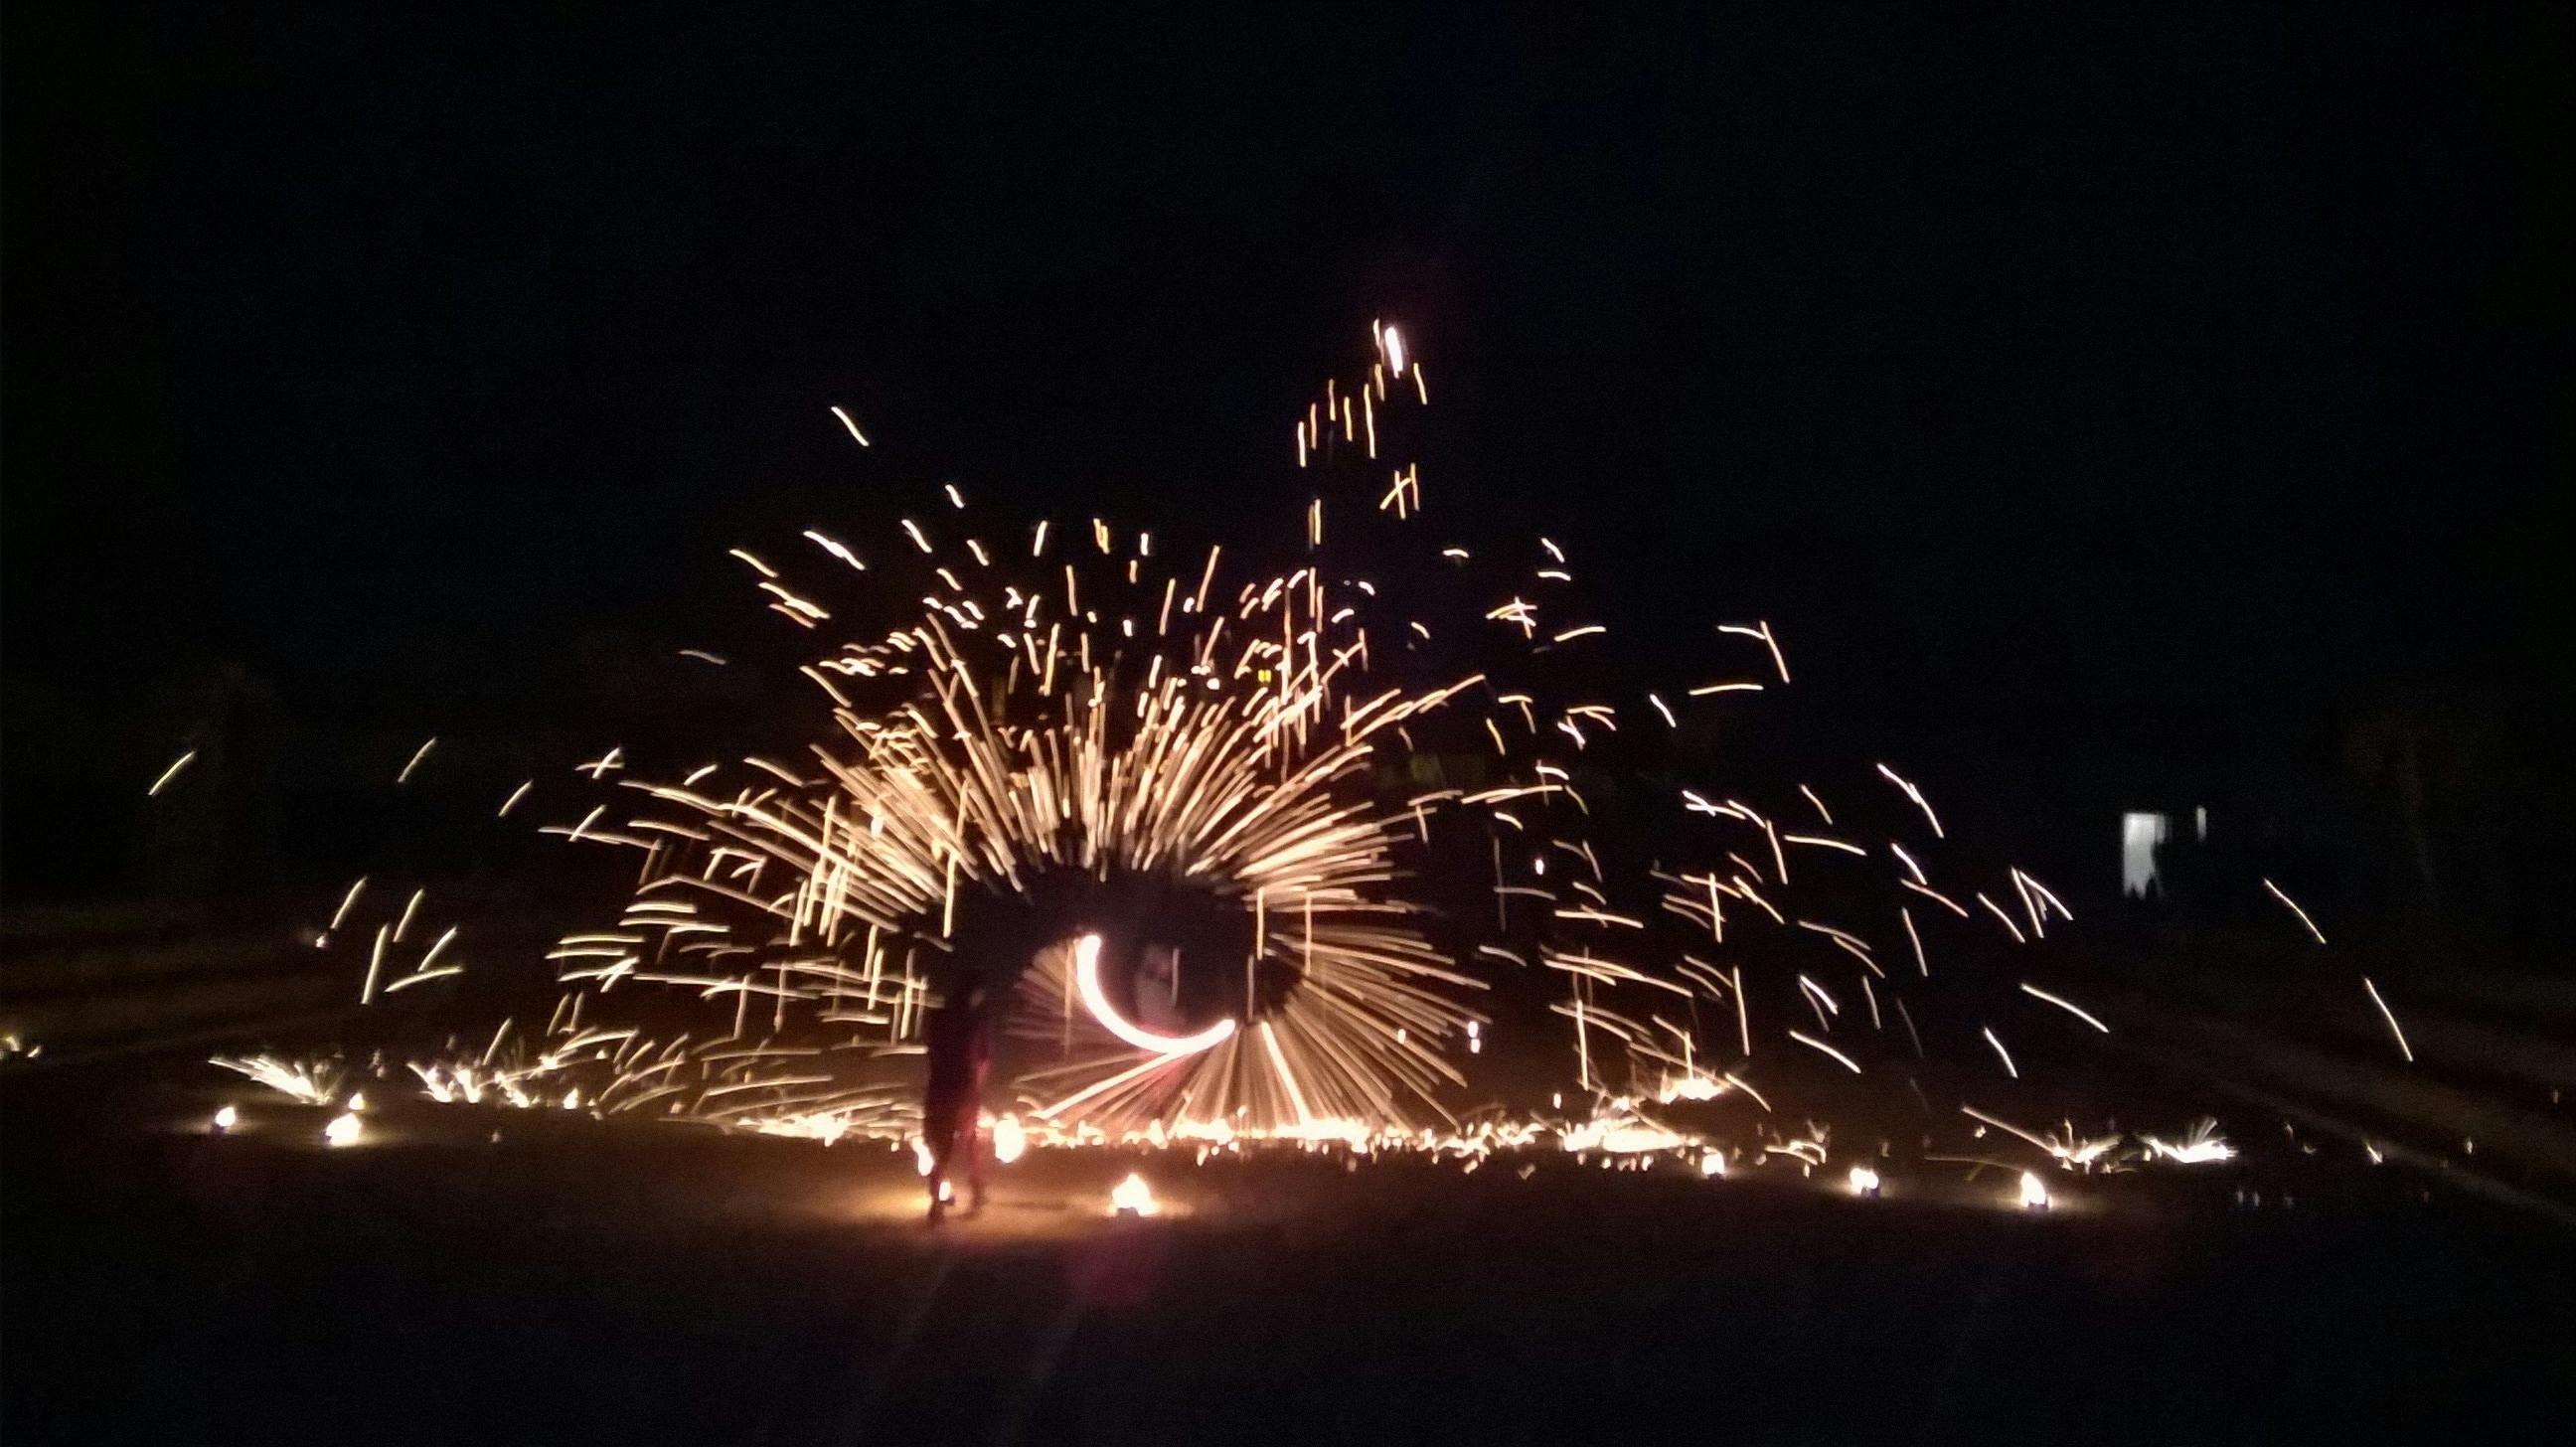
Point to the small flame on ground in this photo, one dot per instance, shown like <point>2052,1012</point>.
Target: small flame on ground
<point>1132,1197</point>
<point>2034,1195</point>
<point>343,1129</point>
<point>1864,1181</point>
<point>227,1118</point>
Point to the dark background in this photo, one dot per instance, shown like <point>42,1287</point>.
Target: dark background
<point>2137,408</point>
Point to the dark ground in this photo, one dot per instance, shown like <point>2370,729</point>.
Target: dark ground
<point>585,1282</point>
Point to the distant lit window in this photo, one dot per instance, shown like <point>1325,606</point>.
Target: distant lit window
<point>2139,836</point>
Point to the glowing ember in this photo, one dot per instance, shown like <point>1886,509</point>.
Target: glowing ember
<point>1132,1197</point>
<point>227,1118</point>
<point>1712,1163</point>
<point>343,1129</point>
<point>2034,1194</point>
<point>1010,1140</point>
<point>1864,1181</point>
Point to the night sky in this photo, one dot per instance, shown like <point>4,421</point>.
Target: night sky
<point>2170,378</point>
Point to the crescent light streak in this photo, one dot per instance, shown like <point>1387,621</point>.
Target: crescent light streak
<point>1086,980</point>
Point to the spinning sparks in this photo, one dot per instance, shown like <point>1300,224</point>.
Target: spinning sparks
<point>1192,831</point>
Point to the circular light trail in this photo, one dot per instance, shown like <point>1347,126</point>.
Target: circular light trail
<point>1086,979</point>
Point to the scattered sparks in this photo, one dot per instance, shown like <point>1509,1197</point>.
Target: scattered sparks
<point>1007,751</point>
<point>2201,1145</point>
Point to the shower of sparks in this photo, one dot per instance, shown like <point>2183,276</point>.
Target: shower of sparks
<point>309,1082</point>
<point>2200,1145</point>
<point>1062,752</point>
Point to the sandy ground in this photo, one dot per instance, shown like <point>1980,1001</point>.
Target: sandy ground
<point>574,1282</point>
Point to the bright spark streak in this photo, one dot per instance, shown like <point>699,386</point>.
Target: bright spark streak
<point>836,548</point>
<point>2294,909</point>
<point>347,900</point>
<point>855,435</point>
<point>2386,1014</point>
<point>1828,814</point>
<point>2035,992</point>
<point>169,773</point>
<point>516,795</point>
<point>1812,1042</point>
<point>423,752</point>
<point>2001,1053</point>
<point>1763,632</point>
<point>1916,795</point>
<point>1706,689</point>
